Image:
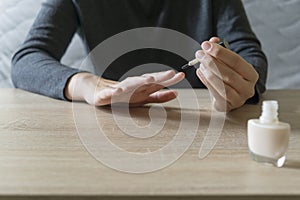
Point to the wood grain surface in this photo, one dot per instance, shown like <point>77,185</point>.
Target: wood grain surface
<point>42,156</point>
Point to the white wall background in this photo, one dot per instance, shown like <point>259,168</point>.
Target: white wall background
<point>277,24</point>
<point>16,17</point>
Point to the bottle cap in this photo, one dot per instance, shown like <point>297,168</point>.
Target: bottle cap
<point>269,112</point>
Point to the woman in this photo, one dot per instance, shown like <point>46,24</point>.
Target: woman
<point>243,68</point>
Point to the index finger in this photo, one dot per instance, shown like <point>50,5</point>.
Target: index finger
<point>230,58</point>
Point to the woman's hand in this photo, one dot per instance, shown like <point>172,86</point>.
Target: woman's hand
<point>230,79</point>
<point>136,91</point>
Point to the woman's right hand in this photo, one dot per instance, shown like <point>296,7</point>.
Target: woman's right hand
<point>136,91</point>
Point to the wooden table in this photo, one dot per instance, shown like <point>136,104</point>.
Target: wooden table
<point>41,154</point>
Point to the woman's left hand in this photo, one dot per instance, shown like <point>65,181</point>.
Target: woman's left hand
<point>229,78</point>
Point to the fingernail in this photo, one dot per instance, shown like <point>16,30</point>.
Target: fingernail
<point>206,46</point>
<point>200,55</point>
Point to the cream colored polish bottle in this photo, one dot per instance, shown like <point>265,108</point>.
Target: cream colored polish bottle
<point>267,137</point>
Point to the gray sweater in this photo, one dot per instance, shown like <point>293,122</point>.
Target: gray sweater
<point>36,65</point>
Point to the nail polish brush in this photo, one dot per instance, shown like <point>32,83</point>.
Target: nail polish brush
<point>223,43</point>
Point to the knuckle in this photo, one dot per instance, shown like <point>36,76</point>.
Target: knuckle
<point>233,78</point>
<point>239,104</point>
<point>226,79</point>
<point>216,51</point>
<point>210,76</point>
<point>207,60</point>
<point>98,100</point>
<point>236,61</point>
<point>228,93</point>
<point>229,79</point>
<point>149,79</point>
<point>250,93</point>
<point>233,99</point>
<point>220,106</point>
<point>171,73</point>
<point>210,61</point>
<point>256,76</point>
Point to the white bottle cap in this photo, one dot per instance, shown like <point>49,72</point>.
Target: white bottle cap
<point>269,112</point>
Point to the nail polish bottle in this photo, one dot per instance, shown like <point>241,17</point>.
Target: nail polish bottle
<point>268,138</point>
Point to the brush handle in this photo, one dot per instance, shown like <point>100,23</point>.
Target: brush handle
<point>193,62</point>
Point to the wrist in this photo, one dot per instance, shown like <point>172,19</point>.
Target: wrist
<point>82,86</point>
<point>74,90</point>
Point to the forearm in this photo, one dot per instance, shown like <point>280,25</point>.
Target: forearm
<point>36,65</point>
<point>39,73</point>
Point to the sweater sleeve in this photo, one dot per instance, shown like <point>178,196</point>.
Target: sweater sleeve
<point>36,65</point>
<point>232,23</point>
